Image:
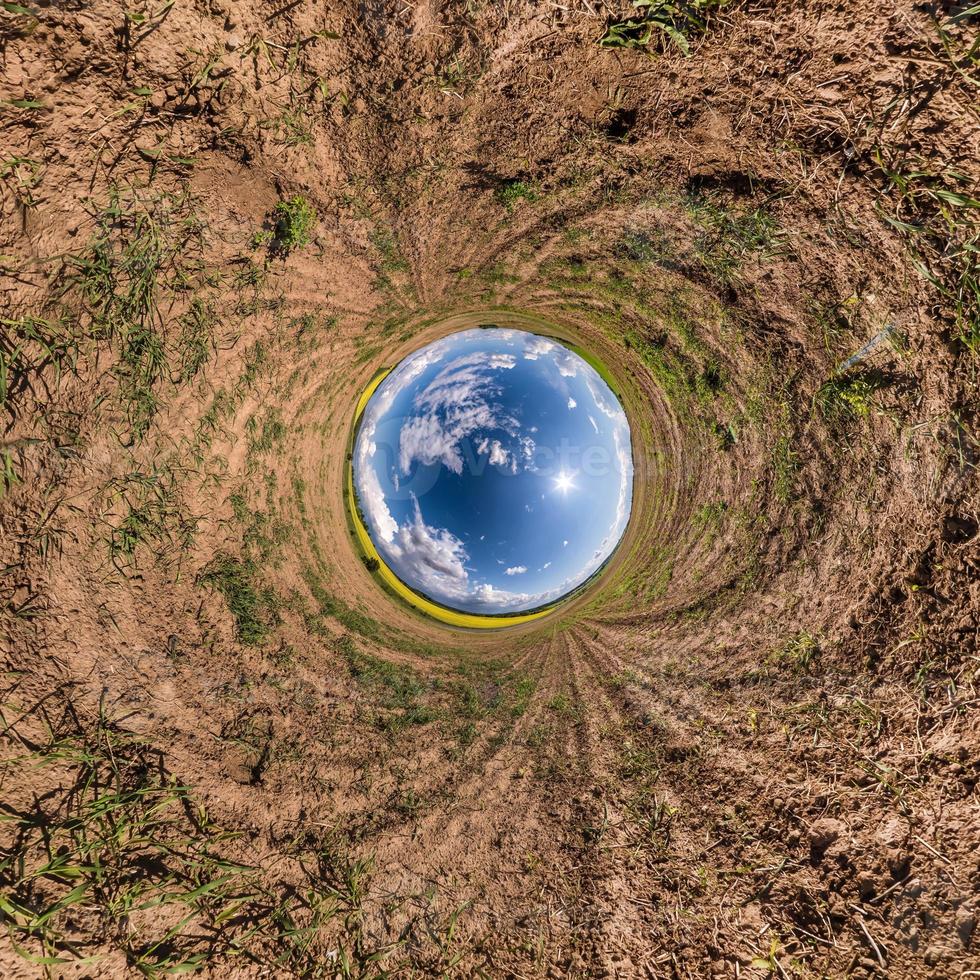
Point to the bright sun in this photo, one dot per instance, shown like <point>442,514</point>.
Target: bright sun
<point>563,482</point>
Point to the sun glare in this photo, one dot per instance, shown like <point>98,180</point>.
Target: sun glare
<point>563,482</point>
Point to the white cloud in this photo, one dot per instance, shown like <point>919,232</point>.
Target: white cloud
<point>594,426</point>
<point>572,403</point>
<point>566,361</point>
<point>547,564</point>
<point>536,347</point>
<point>515,570</point>
<point>624,458</point>
<point>488,599</point>
<point>429,559</point>
<point>498,455</point>
<point>370,494</point>
<point>372,500</point>
<point>607,403</point>
<point>460,400</point>
<point>427,439</point>
<point>392,386</point>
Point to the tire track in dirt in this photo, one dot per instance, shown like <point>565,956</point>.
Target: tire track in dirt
<point>499,841</point>
<point>676,817</point>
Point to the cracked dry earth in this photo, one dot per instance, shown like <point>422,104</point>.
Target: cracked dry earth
<point>750,749</point>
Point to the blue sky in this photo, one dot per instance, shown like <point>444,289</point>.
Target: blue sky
<point>494,470</point>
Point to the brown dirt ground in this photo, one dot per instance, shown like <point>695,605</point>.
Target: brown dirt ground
<point>752,750</point>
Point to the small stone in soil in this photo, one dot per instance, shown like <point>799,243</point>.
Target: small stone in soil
<point>823,833</point>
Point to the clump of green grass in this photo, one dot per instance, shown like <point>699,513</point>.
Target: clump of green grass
<point>196,341</point>
<point>264,433</point>
<point>23,21</point>
<point>724,434</point>
<point>728,238</point>
<point>475,702</point>
<point>644,246</point>
<point>661,571</point>
<point>397,689</point>
<point>785,466</point>
<point>256,360</point>
<point>497,274</point>
<point>670,370</point>
<point>523,690</point>
<point>138,250</point>
<point>294,221</point>
<point>649,815</point>
<point>707,520</point>
<point>710,382</point>
<point>798,652</point>
<point>116,854</point>
<point>308,328</point>
<point>390,254</point>
<point>843,399</point>
<point>142,364</point>
<point>29,345</point>
<point>398,685</point>
<point>940,218</point>
<point>253,606</point>
<point>692,383</point>
<point>152,517</point>
<point>144,256</point>
<point>770,409</point>
<point>512,192</point>
<point>330,605</point>
<point>116,836</point>
<point>22,175</point>
<point>8,472</point>
<point>249,283</point>
<point>113,839</point>
<point>292,127</point>
<point>455,74</point>
<point>836,321</point>
<point>263,533</point>
<point>142,523</point>
<point>669,21</point>
<point>959,42</point>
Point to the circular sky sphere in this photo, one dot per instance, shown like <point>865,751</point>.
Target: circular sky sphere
<point>494,471</point>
